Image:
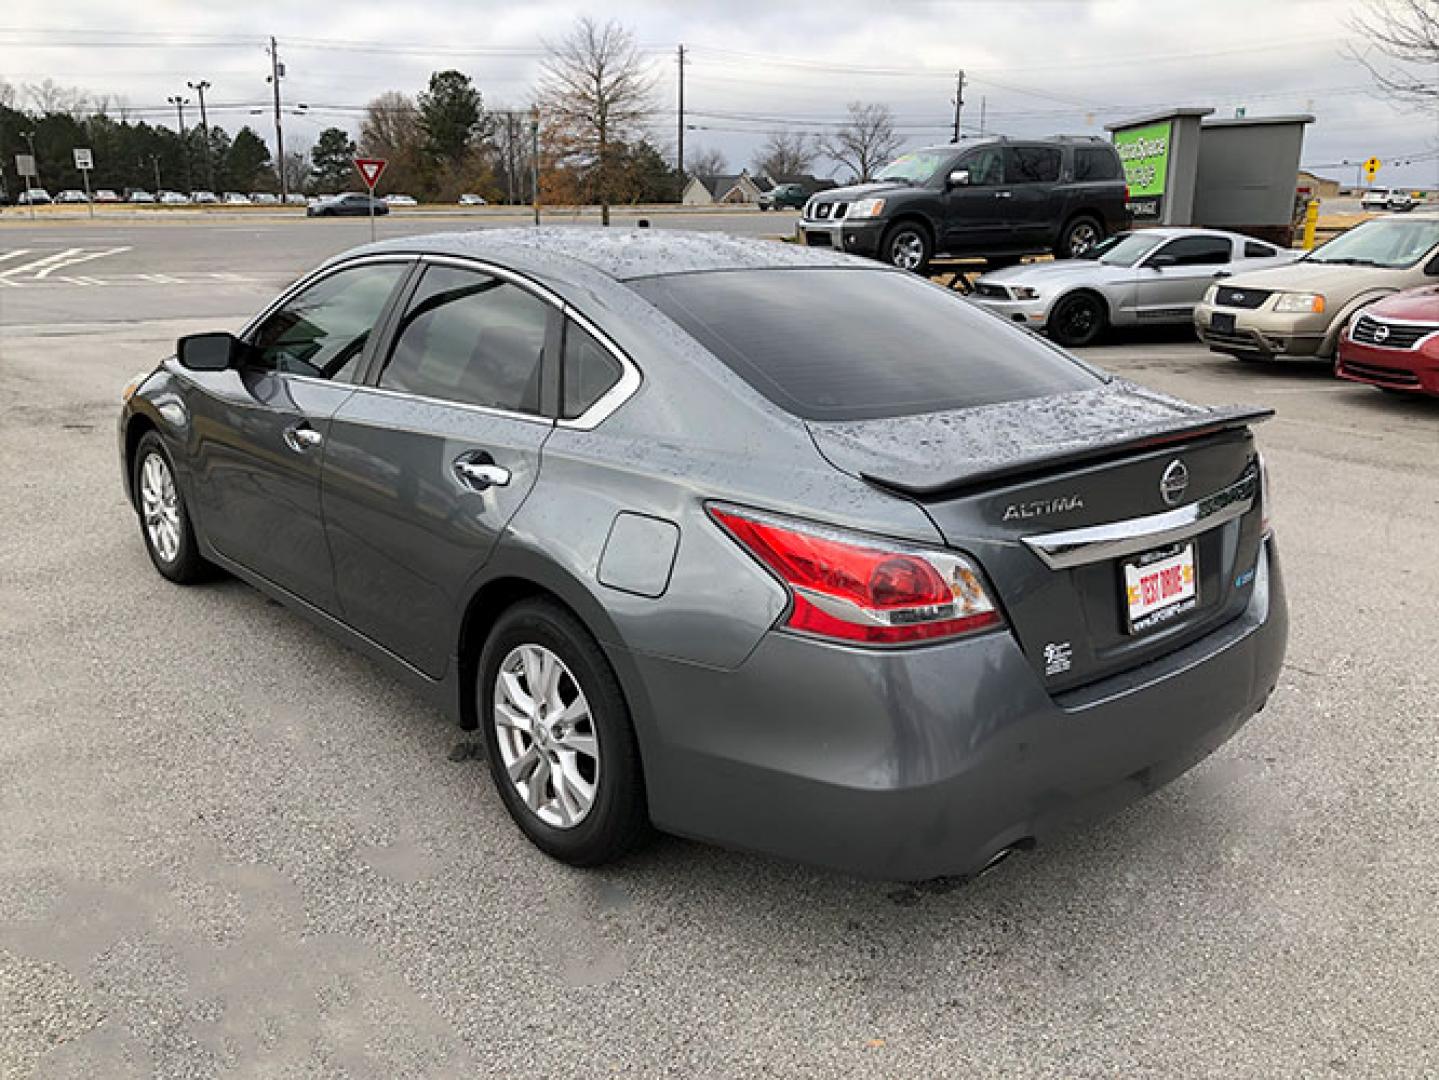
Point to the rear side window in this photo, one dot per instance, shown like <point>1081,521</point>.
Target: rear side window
<point>1093,163</point>
<point>588,373</point>
<point>470,338</point>
<point>1031,164</point>
<point>842,344</point>
<point>1259,251</point>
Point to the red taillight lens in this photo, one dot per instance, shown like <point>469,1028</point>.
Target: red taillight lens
<point>855,588</point>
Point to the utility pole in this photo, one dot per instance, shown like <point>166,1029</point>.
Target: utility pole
<point>200,88</point>
<point>155,161</point>
<point>29,137</point>
<point>277,72</point>
<point>535,159</point>
<point>680,154</point>
<point>983,104</point>
<point>958,103</point>
<point>180,103</point>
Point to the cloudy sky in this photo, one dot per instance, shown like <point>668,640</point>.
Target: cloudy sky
<point>756,66</point>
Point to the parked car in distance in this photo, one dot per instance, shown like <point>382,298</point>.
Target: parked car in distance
<point>264,198</point>
<point>204,198</point>
<point>472,200</point>
<point>1394,343</point>
<point>1131,279</point>
<point>401,200</point>
<point>294,198</point>
<point>105,195</point>
<point>998,198</point>
<point>1397,199</point>
<point>235,198</point>
<point>71,196</point>
<point>784,196</point>
<point>1299,310</point>
<point>174,198</point>
<point>350,204</point>
<point>140,195</point>
<point>902,589</point>
<point>35,196</point>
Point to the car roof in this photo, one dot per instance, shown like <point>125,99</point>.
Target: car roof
<point>618,253</point>
<point>1170,232</point>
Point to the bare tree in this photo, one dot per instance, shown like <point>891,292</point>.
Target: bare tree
<point>512,151</point>
<point>391,129</point>
<point>49,97</point>
<point>707,163</point>
<point>1407,33</point>
<point>866,141</point>
<point>786,154</point>
<point>595,93</point>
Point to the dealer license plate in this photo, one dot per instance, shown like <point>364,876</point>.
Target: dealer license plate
<point>1222,321</point>
<point>1160,586</point>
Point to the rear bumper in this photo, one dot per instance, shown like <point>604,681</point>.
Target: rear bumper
<point>861,238</point>
<point>1416,370</point>
<point>918,763</point>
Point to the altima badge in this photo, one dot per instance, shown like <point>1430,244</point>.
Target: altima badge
<point>1174,482</point>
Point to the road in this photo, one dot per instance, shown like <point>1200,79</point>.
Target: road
<point>233,847</point>
<point>121,268</point>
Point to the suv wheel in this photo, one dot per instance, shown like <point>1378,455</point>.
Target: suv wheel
<point>558,736</point>
<point>1078,237</point>
<point>1076,320</point>
<point>907,246</point>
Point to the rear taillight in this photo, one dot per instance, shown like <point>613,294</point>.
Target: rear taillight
<point>1266,521</point>
<point>852,587</point>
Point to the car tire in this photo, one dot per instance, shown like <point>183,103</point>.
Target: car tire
<point>1077,320</point>
<point>1078,236</point>
<point>164,520</point>
<point>907,245</point>
<point>543,776</point>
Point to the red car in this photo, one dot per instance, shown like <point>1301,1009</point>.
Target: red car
<point>1394,344</point>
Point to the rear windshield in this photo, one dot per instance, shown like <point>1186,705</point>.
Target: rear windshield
<point>857,344</point>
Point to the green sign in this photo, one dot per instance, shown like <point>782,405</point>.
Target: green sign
<point>1145,153</point>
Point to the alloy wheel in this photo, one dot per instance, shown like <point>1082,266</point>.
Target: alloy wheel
<point>1082,237</point>
<point>907,251</point>
<point>546,735</point>
<point>160,506</point>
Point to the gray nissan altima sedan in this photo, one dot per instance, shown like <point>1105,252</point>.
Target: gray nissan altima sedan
<point>754,543</point>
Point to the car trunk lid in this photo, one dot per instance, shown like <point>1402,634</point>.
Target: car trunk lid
<point>1054,496</point>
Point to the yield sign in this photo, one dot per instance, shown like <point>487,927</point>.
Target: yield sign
<point>370,170</point>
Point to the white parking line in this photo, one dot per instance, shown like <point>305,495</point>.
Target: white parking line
<point>84,257</point>
<point>4,255</point>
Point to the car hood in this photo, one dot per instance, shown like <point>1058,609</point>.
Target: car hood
<point>949,452</point>
<point>1061,271</point>
<point>855,192</point>
<point>1420,305</point>
<point>1334,280</point>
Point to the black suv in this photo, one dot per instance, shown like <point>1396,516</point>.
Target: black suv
<point>1000,199</point>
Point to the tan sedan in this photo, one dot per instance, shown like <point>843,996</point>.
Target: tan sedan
<point>1299,310</point>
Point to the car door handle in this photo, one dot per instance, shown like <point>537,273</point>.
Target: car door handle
<point>1004,194</point>
<point>302,437</point>
<point>481,474</point>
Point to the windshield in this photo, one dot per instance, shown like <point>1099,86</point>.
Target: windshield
<point>1389,243</point>
<point>889,344</point>
<point>917,168</point>
<point>1124,249</point>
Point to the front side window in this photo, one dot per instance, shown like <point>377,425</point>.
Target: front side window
<point>889,344</point>
<point>588,372</point>
<point>986,168</point>
<point>322,331</point>
<point>1197,250</point>
<point>1031,164</point>
<point>470,338</point>
<point>1124,249</point>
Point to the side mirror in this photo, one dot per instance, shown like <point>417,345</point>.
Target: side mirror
<point>1159,262</point>
<point>958,178</point>
<point>217,351</point>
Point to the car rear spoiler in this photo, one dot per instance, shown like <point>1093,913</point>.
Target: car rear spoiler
<point>1021,469</point>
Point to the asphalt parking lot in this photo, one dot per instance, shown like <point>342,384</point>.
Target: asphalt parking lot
<point>233,847</point>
